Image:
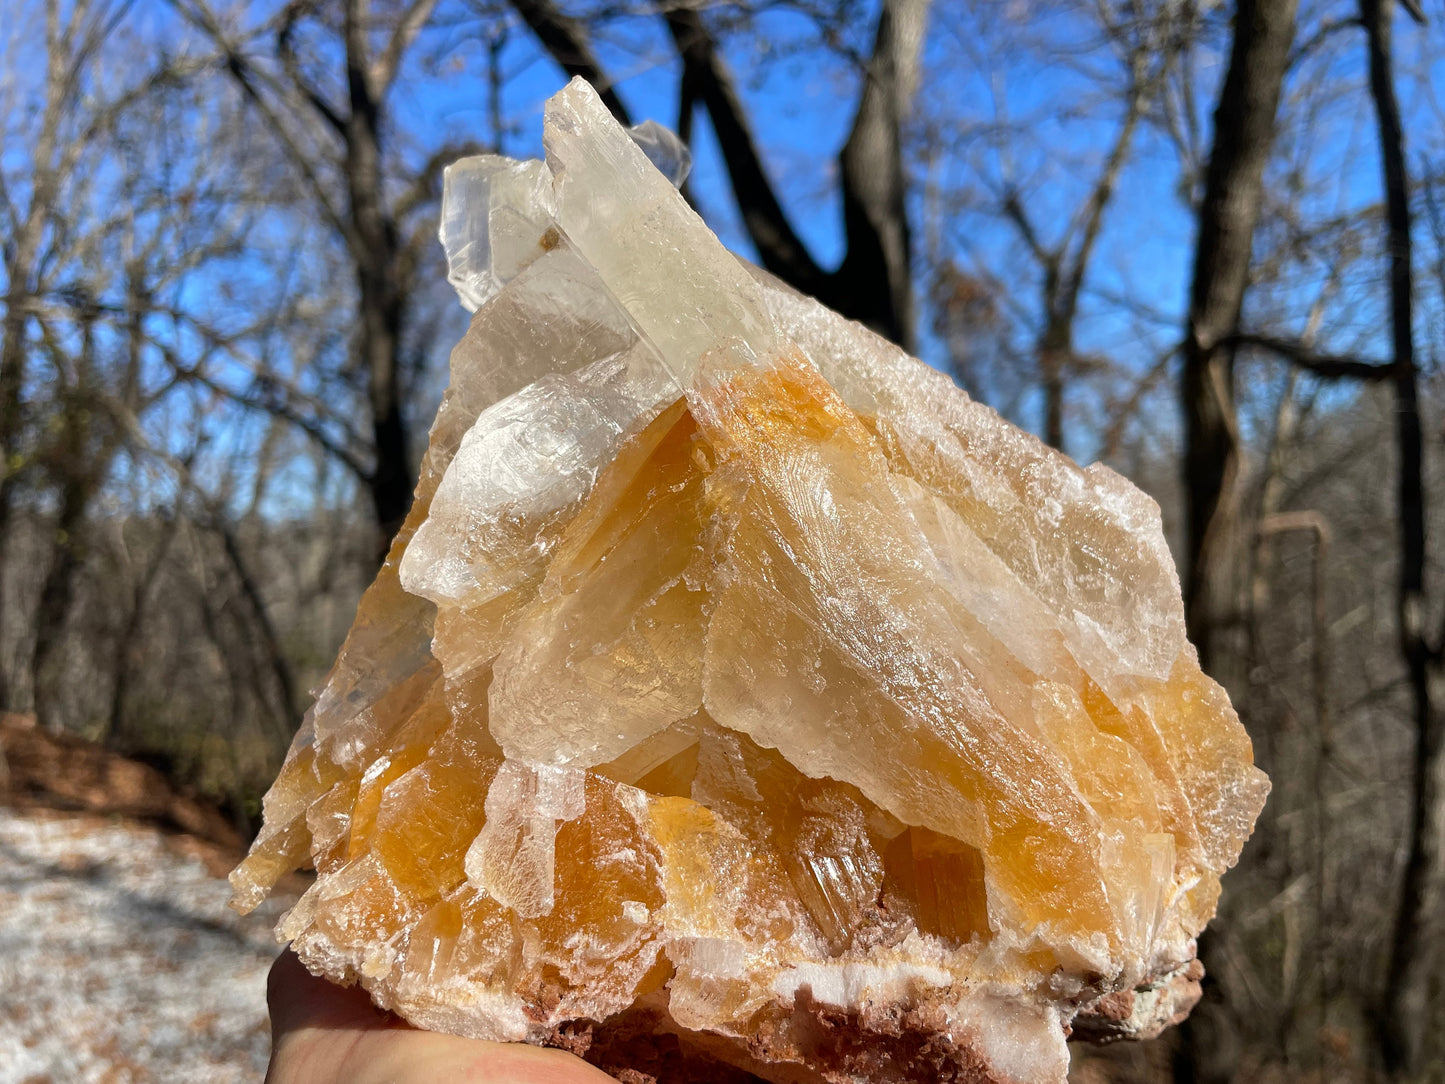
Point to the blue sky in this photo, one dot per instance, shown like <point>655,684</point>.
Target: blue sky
<point>986,64</point>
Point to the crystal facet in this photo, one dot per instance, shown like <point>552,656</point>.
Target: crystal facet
<point>739,688</point>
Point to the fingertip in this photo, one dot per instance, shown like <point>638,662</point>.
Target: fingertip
<point>325,1032</point>
<point>298,999</point>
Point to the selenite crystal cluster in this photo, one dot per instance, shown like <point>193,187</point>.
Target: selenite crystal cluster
<point>741,699</point>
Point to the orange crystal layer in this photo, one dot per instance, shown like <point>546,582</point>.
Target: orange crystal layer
<point>753,730</point>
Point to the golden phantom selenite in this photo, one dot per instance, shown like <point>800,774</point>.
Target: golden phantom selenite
<point>739,696</point>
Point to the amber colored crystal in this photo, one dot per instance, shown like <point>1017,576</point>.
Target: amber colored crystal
<point>739,692</point>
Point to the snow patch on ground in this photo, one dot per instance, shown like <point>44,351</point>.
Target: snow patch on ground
<point>120,961</point>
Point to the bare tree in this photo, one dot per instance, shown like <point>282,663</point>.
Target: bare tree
<point>71,39</point>
<point>1148,44</point>
<point>339,144</point>
<point>81,283</point>
<point>1406,1004</point>
<point>1244,130</point>
<point>1405,1009</point>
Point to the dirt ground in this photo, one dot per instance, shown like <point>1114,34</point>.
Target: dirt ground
<point>119,959</point>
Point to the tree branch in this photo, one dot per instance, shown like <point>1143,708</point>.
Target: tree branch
<point>781,250</point>
<point>1327,29</point>
<point>566,40</point>
<point>1324,366</point>
<point>290,16</point>
<point>271,397</point>
<point>244,76</point>
<point>271,400</point>
<point>1103,193</point>
<point>1114,435</point>
<point>407,28</point>
<point>129,424</point>
<point>686,107</point>
<point>280,665</point>
<point>1013,209</point>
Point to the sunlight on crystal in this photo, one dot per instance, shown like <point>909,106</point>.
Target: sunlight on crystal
<point>736,677</point>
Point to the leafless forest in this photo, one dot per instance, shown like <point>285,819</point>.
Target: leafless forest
<point>1203,242</point>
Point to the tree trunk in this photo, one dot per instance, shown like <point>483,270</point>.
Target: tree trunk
<point>12,380</point>
<point>1233,194</point>
<point>79,467</point>
<point>85,449</point>
<point>127,644</point>
<point>20,270</point>
<point>57,594</point>
<point>1405,1006</point>
<point>1244,129</point>
<point>1056,347</point>
<point>874,284</point>
<point>708,80</point>
<point>374,250</point>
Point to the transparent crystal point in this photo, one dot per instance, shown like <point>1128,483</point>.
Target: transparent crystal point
<point>664,150</point>
<point>495,213</point>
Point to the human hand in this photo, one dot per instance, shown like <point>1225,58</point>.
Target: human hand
<point>327,1034</point>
